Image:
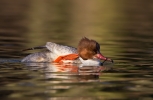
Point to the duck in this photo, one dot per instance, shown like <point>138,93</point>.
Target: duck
<point>87,53</point>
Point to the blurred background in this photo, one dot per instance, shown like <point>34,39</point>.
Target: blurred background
<point>124,29</point>
<point>116,25</point>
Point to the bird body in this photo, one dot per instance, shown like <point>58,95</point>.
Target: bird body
<point>87,52</point>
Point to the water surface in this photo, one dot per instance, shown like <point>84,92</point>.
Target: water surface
<point>123,29</point>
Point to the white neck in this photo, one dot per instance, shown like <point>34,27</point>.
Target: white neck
<point>90,62</point>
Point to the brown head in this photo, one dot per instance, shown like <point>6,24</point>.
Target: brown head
<point>90,49</point>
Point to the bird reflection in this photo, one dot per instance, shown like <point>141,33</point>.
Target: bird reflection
<point>68,71</point>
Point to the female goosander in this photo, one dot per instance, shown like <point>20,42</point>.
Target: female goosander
<point>87,53</point>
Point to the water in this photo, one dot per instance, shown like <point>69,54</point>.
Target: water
<point>123,29</point>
